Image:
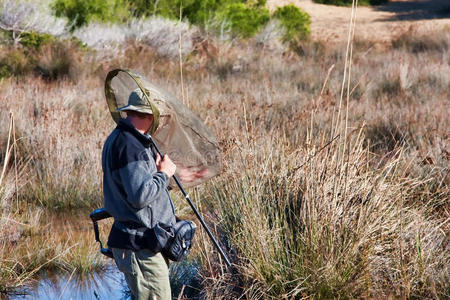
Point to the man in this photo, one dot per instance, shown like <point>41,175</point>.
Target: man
<point>135,188</point>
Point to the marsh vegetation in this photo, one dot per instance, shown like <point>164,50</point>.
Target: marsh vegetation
<point>331,188</point>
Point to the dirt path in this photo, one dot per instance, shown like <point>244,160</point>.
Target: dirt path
<point>378,23</point>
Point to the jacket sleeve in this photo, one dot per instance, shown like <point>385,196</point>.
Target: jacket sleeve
<point>142,182</point>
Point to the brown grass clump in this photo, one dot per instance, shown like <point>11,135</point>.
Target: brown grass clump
<point>59,60</point>
<point>332,228</point>
<point>418,43</point>
<point>49,59</point>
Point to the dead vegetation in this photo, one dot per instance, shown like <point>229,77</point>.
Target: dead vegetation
<point>306,206</point>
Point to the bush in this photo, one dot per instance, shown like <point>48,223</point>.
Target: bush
<point>200,12</point>
<point>349,2</point>
<point>57,61</point>
<point>42,55</point>
<point>30,39</point>
<point>242,20</point>
<point>35,40</point>
<point>295,22</point>
<point>14,62</point>
<point>81,12</point>
<point>166,8</point>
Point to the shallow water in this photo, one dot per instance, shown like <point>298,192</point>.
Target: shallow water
<point>107,284</point>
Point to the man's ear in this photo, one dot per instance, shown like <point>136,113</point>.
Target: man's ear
<point>150,118</point>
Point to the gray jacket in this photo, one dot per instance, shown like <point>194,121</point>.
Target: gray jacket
<point>135,193</point>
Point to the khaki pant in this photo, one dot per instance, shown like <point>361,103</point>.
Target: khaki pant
<point>146,273</point>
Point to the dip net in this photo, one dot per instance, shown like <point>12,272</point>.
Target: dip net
<point>176,130</point>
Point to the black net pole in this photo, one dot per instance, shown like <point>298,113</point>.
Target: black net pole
<point>194,208</point>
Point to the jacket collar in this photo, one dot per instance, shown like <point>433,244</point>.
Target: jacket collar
<point>126,125</point>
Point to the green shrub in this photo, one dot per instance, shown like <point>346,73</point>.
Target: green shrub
<point>4,37</point>
<point>199,12</point>
<point>31,39</point>
<point>81,12</point>
<point>35,40</point>
<point>166,8</point>
<point>243,18</point>
<point>295,22</point>
<point>349,2</point>
<point>244,21</point>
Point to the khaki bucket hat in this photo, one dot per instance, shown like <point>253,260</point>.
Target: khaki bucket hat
<point>137,102</point>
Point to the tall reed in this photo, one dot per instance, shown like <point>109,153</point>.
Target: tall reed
<point>297,233</point>
<point>315,221</point>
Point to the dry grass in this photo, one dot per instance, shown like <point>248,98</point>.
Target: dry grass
<point>33,238</point>
<point>366,217</point>
<point>334,228</point>
<point>60,243</point>
<point>56,130</point>
<point>161,35</point>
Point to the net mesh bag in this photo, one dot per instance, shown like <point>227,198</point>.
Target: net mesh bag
<point>176,130</point>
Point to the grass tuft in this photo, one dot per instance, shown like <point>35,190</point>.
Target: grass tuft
<point>419,43</point>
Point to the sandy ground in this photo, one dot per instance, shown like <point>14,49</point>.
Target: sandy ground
<point>378,23</point>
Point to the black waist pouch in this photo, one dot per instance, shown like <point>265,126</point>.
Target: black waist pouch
<point>177,241</point>
<point>140,238</point>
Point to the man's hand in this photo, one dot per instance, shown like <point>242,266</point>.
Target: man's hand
<point>188,175</point>
<point>165,165</point>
